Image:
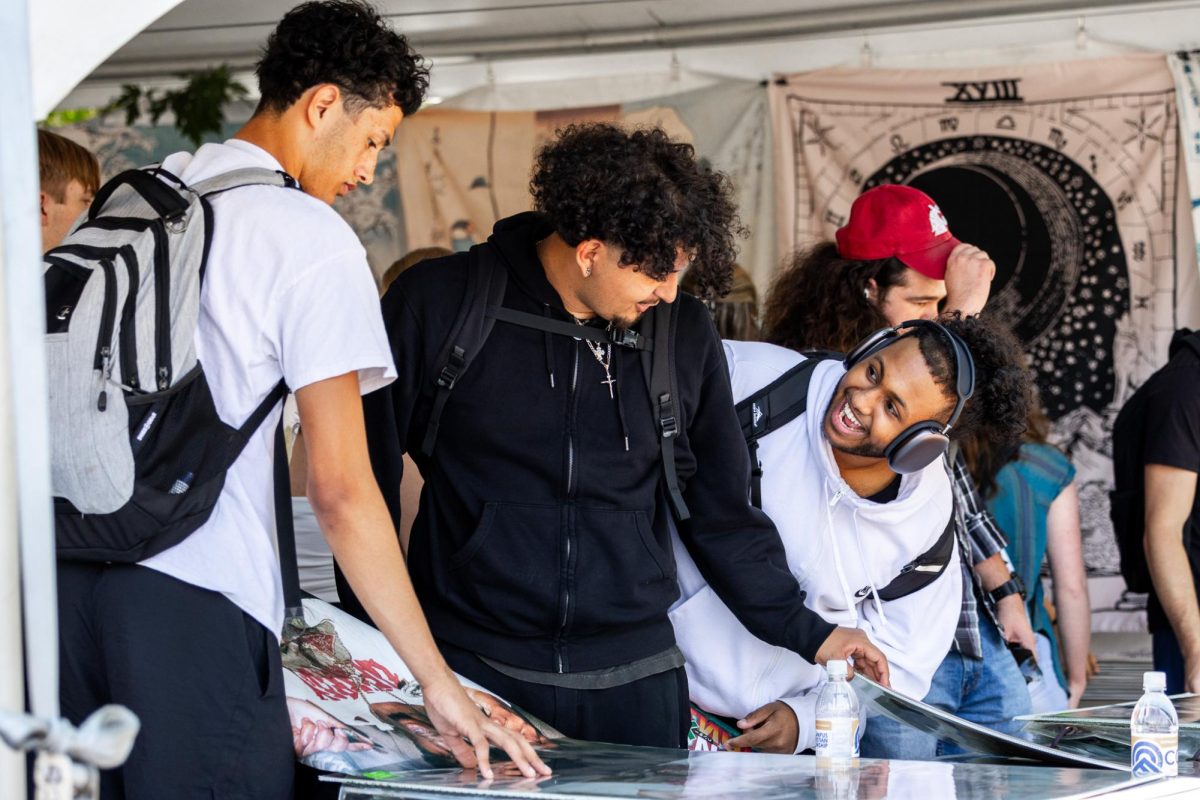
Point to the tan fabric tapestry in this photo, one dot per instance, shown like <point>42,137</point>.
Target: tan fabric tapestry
<point>460,171</point>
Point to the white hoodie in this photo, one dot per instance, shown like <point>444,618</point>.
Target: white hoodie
<point>837,545</point>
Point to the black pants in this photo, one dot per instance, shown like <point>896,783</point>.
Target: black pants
<point>653,711</point>
<point>203,677</point>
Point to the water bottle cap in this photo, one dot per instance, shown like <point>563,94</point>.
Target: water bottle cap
<point>1154,681</point>
<point>835,668</point>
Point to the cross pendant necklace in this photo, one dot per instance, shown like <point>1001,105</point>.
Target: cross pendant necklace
<point>603,355</point>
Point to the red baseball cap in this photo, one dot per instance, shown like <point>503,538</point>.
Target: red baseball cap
<point>899,221</point>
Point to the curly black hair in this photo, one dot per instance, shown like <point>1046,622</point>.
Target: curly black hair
<point>641,192</point>
<point>1004,395</point>
<point>817,301</point>
<point>346,43</point>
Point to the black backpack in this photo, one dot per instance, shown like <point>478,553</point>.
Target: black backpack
<point>780,402</point>
<point>1127,500</point>
<point>487,278</point>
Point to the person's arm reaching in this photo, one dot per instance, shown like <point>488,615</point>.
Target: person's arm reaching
<point>1064,550</point>
<point>1010,611</point>
<point>1170,492</point>
<point>919,631</point>
<point>356,523</point>
<point>987,556</point>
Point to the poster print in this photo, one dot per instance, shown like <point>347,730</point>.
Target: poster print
<point>356,709</point>
<point>1064,173</point>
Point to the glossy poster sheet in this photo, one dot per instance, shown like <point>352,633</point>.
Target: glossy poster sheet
<point>356,709</point>
<point>966,734</point>
<point>1104,730</point>
<point>587,770</point>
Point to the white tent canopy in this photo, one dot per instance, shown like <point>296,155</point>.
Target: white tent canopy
<point>475,44</point>
<point>71,53</point>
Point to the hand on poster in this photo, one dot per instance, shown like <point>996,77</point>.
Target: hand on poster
<point>1013,618</point>
<point>770,729</point>
<point>467,732</point>
<point>851,643</point>
<point>315,731</point>
<point>969,274</point>
<point>505,717</point>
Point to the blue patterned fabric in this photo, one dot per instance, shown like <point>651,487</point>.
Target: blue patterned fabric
<point>1025,488</point>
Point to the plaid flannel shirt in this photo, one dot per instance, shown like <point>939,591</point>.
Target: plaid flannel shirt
<point>978,539</point>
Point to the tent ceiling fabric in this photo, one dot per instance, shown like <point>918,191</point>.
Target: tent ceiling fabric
<point>231,31</point>
<point>63,54</point>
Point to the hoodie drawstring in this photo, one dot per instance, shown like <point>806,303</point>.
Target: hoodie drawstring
<point>546,348</point>
<point>866,567</point>
<point>617,392</point>
<point>847,595</point>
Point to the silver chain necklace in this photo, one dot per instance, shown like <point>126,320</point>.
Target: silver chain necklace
<point>603,355</point>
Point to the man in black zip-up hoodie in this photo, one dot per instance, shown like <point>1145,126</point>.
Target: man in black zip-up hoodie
<point>541,551</point>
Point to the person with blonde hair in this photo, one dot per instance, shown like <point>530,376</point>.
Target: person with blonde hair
<point>70,177</point>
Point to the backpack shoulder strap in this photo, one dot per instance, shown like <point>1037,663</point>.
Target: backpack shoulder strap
<point>167,202</point>
<point>246,176</point>
<point>924,569</point>
<point>769,409</point>
<point>658,364</point>
<point>285,528</point>
<point>486,282</point>
<point>777,403</point>
<point>618,337</point>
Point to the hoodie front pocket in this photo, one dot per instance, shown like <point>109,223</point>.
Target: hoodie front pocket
<point>508,572</point>
<point>622,575</point>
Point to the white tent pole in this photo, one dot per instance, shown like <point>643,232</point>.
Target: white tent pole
<point>23,360</point>
<point>16,211</point>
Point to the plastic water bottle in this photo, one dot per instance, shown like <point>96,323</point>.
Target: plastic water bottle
<point>1154,730</point>
<point>837,718</point>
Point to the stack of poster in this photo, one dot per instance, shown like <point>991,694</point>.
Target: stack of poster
<point>1105,729</point>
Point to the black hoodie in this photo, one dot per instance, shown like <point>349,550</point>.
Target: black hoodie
<point>541,540</point>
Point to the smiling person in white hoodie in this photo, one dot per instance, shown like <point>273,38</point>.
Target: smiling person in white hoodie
<point>849,519</point>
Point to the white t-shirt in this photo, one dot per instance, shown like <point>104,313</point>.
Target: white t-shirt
<point>287,294</point>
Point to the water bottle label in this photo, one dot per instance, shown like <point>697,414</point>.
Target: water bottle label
<point>837,738</point>
<point>1155,754</point>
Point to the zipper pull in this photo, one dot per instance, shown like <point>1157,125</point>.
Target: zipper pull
<point>163,383</point>
<point>105,373</point>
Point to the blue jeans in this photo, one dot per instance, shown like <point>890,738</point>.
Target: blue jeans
<point>1168,658</point>
<point>990,692</point>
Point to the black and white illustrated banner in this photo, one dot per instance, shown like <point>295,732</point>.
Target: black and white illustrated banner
<point>1065,173</point>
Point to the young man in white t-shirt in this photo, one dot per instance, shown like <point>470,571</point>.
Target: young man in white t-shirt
<point>188,638</point>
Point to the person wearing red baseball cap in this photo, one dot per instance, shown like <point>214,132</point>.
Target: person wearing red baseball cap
<point>894,260</point>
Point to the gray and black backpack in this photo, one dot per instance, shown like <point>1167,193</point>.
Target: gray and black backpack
<point>139,454</point>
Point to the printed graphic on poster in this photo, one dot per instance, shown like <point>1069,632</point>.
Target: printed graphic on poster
<point>356,709</point>
<point>1066,175</point>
